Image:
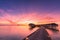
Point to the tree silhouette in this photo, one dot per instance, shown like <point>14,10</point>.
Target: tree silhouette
<point>50,26</point>
<point>41,33</point>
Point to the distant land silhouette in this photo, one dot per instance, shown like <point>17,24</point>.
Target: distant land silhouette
<point>12,25</point>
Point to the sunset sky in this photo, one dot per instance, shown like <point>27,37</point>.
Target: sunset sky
<point>29,11</point>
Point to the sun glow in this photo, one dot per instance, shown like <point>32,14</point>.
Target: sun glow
<point>25,19</point>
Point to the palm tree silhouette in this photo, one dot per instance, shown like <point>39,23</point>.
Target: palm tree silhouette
<point>50,26</point>
<point>41,33</point>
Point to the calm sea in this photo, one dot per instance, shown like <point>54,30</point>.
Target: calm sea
<point>19,32</point>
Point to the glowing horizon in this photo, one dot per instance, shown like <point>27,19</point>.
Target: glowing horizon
<point>27,18</point>
<point>23,12</point>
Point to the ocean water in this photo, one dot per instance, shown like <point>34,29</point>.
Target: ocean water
<point>14,32</point>
<point>20,32</point>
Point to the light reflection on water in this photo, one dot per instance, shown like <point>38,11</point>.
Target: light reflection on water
<point>5,30</point>
<point>21,31</point>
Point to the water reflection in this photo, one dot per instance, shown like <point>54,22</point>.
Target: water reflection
<point>19,32</point>
<point>7,32</point>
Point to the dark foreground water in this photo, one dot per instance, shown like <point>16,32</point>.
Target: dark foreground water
<point>11,38</point>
